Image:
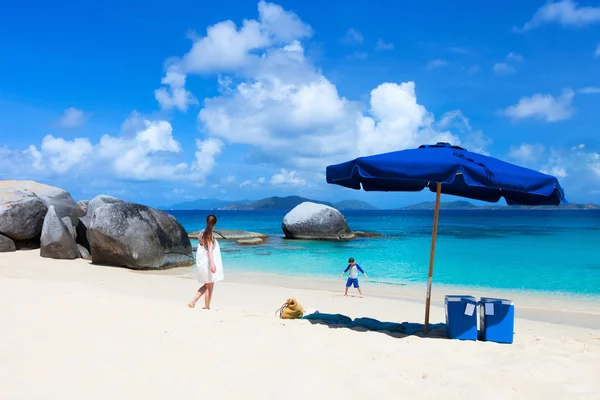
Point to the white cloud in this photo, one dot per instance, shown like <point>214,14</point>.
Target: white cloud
<point>174,95</point>
<point>287,178</point>
<point>503,68</point>
<point>353,37</point>
<point>383,46</point>
<point>439,63</point>
<point>577,163</point>
<point>542,106</point>
<point>597,52</point>
<point>514,57</point>
<point>566,13</point>
<point>205,155</point>
<point>148,154</point>
<point>60,155</point>
<point>227,48</point>
<point>527,154</point>
<point>589,90</point>
<point>72,118</point>
<point>292,116</point>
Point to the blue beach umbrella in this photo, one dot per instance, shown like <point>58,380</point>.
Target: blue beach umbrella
<point>448,169</point>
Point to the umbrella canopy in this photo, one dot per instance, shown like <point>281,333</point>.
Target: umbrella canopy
<point>444,168</point>
<point>461,173</point>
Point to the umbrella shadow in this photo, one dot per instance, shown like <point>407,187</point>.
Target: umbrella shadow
<point>364,324</point>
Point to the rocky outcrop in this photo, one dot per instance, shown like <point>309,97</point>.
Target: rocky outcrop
<point>56,240</point>
<point>71,228</point>
<point>23,206</point>
<point>250,242</point>
<point>135,236</point>
<point>21,215</point>
<point>6,244</point>
<point>231,234</point>
<point>99,201</point>
<point>311,221</point>
<point>367,234</point>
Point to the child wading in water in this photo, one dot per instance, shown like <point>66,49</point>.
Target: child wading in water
<point>353,267</point>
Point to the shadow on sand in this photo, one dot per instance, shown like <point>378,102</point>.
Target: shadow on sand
<point>393,329</point>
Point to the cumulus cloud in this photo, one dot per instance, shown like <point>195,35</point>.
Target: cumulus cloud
<point>287,178</point>
<point>72,118</point>
<point>353,37</point>
<point>381,45</point>
<point>149,153</point>
<point>527,154</point>
<point>578,162</point>
<point>174,94</point>
<point>543,106</point>
<point>566,13</point>
<point>292,116</point>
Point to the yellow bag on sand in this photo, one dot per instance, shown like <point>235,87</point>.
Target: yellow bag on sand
<point>291,309</point>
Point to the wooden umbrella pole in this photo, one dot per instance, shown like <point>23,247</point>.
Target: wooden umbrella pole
<point>436,215</point>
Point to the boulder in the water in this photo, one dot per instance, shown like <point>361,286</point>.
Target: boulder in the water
<point>56,240</point>
<point>311,221</point>
<point>250,242</point>
<point>6,244</point>
<point>136,236</point>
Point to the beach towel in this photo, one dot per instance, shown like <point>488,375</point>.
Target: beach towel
<point>291,309</point>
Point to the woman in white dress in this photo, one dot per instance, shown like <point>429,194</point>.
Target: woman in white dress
<point>209,265</point>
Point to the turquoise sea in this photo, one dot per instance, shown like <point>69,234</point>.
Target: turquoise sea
<point>548,251</point>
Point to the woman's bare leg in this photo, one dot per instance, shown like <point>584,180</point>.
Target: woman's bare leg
<point>199,294</point>
<point>210,288</point>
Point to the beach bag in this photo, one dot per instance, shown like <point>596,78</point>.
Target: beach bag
<point>291,309</point>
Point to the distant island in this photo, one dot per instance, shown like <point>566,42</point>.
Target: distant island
<point>289,202</point>
<point>465,205</point>
<point>270,203</point>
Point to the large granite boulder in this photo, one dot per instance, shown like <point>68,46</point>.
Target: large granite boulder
<point>21,215</point>
<point>313,221</point>
<point>137,237</point>
<point>56,240</point>
<point>99,201</point>
<point>23,206</point>
<point>6,244</point>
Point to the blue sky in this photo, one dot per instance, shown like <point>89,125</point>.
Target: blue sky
<point>242,100</point>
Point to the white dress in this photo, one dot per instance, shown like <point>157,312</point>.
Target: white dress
<point>205,275</point>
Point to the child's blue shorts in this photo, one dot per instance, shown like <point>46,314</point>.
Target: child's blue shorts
<point>352,281</point>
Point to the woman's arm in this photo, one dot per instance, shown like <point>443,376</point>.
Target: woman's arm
<point>211,258</point>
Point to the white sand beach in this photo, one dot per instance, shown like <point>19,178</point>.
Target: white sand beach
<point>72,330</point>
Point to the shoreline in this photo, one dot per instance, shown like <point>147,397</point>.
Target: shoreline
<point>565,310</point>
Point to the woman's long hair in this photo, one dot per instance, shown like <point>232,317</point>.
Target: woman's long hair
<point>207,235</point>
